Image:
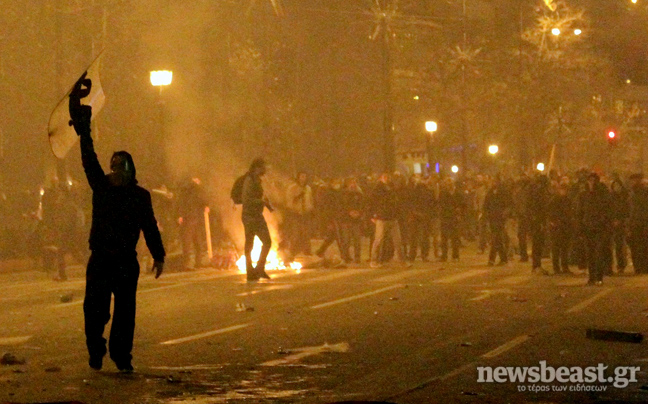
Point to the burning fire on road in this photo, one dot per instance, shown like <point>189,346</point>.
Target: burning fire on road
<point>273,261</point>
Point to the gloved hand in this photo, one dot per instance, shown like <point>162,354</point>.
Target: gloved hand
<point>158,267</point>
<point>80,115</point>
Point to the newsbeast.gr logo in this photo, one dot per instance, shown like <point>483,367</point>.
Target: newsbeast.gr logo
<point>583,378</point>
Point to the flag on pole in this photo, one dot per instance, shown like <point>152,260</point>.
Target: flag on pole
<point>61,134</point>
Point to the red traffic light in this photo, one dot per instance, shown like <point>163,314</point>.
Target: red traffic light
<point>611,135</point>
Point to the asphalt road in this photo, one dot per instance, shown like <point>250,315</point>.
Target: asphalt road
<point>399,335</point>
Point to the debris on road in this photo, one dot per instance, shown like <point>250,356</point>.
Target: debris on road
<point>282,351</point>
<point>393,298</point>
<point>53,369</point>
<point>243,307</point>
<point>518,299</point>
<point>11,359</point>
<point>562,295</point>
<point>471,393</point>
<point>67,298</point>
<point>467,344</point>
<point>173,379</point>
<point>613,335</point>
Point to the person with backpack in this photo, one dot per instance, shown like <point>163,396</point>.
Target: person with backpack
<point>248,191</point>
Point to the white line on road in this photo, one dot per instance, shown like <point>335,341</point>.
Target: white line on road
<point>338,275</point>
<point>356,297</point>
<point>461,276</point>
<point>306,352</point>
<point>514,280</point>
<point>582,305</point>
<point>506,347</point>
<point>401,275</point>
<point>204,334</point>
<point>14,340</point>
<point>265,289</point>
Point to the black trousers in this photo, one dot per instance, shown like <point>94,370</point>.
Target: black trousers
<point>523,234</point>
<point>537,245</point>
<point>560,248</point>
<point>598,249</point>
<point>449,233</point>
<point>256,226</point>
<point>639,250</point>
<point>420,228</point>
<point>498,242</point>
<point>619,240</point>
<point>111,274</point>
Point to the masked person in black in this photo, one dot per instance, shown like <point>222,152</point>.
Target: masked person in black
<point>595,223</point>
<point>120,210</point>
<point>638,224</point>
<point>496,209</point>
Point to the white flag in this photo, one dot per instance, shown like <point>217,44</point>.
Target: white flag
<point>61,135</point>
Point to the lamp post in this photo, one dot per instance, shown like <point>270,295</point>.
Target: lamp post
<point>161,79</point>
<point>430,127</point>
<point>540,167</point>
<point>493,149</point>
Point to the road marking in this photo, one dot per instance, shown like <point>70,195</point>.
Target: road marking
<point>514,280</point>
<point>204,334</point>
<point>306,352</point>
<point>265,289</point>
<point>78,302</point>
<point>582,305</point>
<point>571,282</point>
<point>355,297</point>
<point>14,340</point>
<point>401,275</point>
<point>338,275</point>
<point>485,294</point>
<point>506,347</point>
<point>461,276</point>
<point>190,367</point>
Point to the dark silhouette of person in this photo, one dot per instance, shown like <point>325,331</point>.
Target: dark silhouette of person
<point>253,221</point>
<point>120,210</point>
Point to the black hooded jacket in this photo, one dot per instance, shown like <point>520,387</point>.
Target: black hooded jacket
<point>119,212</point>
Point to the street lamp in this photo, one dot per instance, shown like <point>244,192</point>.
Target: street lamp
<point>454,169</point>
<point>578,31</point>
<point>540,167</point>
<point>160,78</point>
<point>493,149</point>
<point>555,31</point>
<point>430,127</point>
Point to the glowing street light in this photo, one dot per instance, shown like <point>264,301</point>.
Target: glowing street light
<point>540,167</point>
<point>493,149</point>
<point>555,31</point>
<point>160,78</point>
<point>431,126</point>
<point>633,1</point>
<point>577,31</point>
<point>454,169</point>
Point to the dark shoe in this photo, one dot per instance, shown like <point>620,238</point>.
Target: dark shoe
<point>442,259</point>
<point>491,264</point>
<point>502,263</point>
<point>524,259</point>
<point>252,277</point>
<point>96,362</point>
<point>264,275</point>
<point>125,368</point>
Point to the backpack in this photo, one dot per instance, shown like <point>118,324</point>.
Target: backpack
<point>237,190</point>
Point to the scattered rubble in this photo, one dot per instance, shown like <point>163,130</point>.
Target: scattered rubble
<point>67,298</point>
<point>613,335</point>
<point>11,359</point>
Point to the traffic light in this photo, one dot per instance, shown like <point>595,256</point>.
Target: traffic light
<point>612,137</point>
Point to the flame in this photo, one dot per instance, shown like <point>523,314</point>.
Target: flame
<point>273,262</point>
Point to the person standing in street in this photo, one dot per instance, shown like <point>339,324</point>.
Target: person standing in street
<point>595,219</point>
<point>253,202</point>
<point>120,211</point>
<point>560,215</point>
<point>384,208</point>
<point>496,209</point>
<point>638,224</point>
<point>620,213</point>
<point>451,206</point>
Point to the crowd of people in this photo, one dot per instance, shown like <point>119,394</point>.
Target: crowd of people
<point>578,220</point>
